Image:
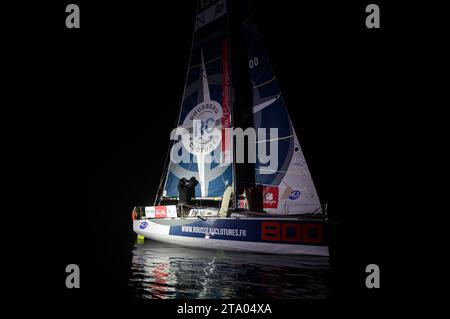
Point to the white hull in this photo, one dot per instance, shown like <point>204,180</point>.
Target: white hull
<point>161,233</point>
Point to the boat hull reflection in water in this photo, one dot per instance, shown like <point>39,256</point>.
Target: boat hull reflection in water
<point>161,270</point>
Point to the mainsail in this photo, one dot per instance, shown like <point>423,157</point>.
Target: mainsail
<point>289,188</point>
<point>206,107</point>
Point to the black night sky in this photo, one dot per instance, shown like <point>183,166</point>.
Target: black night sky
<point>89,124</point>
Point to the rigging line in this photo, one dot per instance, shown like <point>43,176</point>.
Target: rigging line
<point>246,20</point>
<point>166,164</point>
<point>269,170</point>
<point>166,168</point>
<point>276,139</point>
<point>266,65</point>
<point>257,86</point>
<point>206,62</point>
<point>165,174</point>
<point>286,185</point>
<point>215,81</point>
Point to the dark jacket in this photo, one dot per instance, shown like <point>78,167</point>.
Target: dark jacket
<point>186,190</point>
<point>183,196</point>
<point>190,186</point>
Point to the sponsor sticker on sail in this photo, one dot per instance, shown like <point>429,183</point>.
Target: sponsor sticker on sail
<point>270,197</point>
<point>294,195</point>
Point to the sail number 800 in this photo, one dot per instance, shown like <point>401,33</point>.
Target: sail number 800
<point>310,233</point>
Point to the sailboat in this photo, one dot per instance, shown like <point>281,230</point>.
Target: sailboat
<point>239,205</point>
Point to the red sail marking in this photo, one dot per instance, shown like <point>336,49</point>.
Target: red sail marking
<point>226,116</point>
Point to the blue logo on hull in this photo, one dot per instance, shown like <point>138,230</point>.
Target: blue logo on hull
<point>143,225</point>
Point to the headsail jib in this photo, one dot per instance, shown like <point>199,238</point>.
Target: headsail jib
<point>289,188</point>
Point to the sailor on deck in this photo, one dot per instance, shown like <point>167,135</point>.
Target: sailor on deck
<point>186,191</point>
<point>190,186</point>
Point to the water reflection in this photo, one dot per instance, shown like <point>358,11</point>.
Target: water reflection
<point>169,271</point>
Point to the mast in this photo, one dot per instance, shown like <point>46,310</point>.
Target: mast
<point>242,89</point>
<point>233,120</point>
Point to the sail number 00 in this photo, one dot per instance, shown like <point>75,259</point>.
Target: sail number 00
<point>253,62</point>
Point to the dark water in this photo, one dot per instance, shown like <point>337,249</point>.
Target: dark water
<point>166,271</point>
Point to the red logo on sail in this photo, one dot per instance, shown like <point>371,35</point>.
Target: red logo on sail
<point>270,197</point>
